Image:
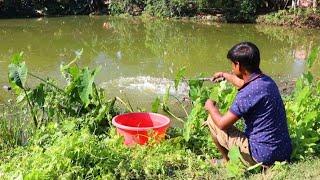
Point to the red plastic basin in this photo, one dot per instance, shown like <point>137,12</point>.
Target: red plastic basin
<point>139,127</point>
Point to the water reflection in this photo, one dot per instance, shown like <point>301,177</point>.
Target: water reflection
<point>133,47</point>
<point>300,55</point>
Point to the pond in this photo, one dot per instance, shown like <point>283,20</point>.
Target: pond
<point>140,57</point>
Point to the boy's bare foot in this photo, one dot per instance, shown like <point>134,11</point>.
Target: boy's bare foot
<point>218,162</point>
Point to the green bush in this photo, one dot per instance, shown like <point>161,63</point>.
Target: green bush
<point>303,114</point>
<point>248,9</point>
<point>243,11</point>
<point>117,7</point>
<point>63,151</point>
<point>157,8</point>
<point>175,8</point>
<point>15,127</point>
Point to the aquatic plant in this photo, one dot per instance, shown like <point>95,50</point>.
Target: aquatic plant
<point>47,102</point>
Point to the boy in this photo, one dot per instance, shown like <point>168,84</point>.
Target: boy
<point>266,138</point>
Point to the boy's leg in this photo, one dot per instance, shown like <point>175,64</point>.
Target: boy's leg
<point>222,150</point>
<point>229,138</point>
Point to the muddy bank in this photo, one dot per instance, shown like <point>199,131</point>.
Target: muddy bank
<point>291,19</point>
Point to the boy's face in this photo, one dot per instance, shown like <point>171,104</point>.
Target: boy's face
<point>236,69</point>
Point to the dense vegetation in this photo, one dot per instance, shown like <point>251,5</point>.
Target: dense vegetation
<point>297,18</point>
<point>50,132</point>
<point>232,10</point>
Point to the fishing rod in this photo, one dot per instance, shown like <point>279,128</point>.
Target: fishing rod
<point>212,79</point>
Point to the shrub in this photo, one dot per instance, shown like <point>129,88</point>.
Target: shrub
<point>243,11</point>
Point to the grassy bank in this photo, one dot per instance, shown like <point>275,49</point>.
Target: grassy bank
<point>292,18</point>
<point>67,131</point>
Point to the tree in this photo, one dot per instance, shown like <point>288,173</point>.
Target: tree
<point>314,4</point>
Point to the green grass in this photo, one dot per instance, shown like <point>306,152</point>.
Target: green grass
<point>308,169</point>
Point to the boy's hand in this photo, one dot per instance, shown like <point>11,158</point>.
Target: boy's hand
<point>217,77</point>
<point>210,104</point>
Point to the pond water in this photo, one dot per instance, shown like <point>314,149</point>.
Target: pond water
<point>140,57</point>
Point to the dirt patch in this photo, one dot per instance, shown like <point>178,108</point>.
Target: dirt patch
<point>286,87</point>
<point>311,20</point>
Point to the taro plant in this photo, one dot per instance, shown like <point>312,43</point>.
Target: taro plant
<point>80,97</point>
<point>199,137</point>
<point>196,136</point>
<point>303,113</point>
<point>18,77</point>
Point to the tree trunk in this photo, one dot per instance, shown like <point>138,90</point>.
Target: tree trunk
<point>314,4</point>
<point>294,5</point>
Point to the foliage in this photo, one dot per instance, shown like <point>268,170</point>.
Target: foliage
<point>17,72</point>
<point>64,151</point>
<point>194,132</point>
<point>117,7</point>
<point>303,114</point>
<point>14,125</point>
<point>233,10</point>
<point>72,149</point>
<point>306,169</point>
<point>243,11</point>
<point>298,18</point>
<point>27,8</point>
<point>79,98</point>
<point>235,166</point>
<point>248,9</point>
<point>174,8</point>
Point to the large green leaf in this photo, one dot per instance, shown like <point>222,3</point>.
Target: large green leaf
<point>195,89</point>
<point>235,166</point>
<point>234,154</point>
<point>303,95</point>
<point>38,95</point>
<point>156,105</point>
<point>187,130</point>
<point>18,74</point>
<point>312,57</point>
<point>85,86</point>
<point>17,58</point>
<point>179,77</point>
<point>166,96</point>
<point>71,72</point>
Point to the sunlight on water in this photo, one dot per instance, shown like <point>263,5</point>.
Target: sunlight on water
<point>148,85</point>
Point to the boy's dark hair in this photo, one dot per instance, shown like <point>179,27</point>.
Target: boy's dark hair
<point>247,54</point>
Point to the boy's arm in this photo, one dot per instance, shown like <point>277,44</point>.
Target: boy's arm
<point>222,122</point>
<point>233,79</point>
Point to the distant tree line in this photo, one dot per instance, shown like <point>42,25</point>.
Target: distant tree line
<point>25,8</point>
<point>233,9</point>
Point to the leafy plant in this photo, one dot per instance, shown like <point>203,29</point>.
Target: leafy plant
<point>179,77</point>
<point>79,98</point>
<point>235,166</point>
<point>303,114</point>
<point>17,77</point>
<point>164,105</point>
